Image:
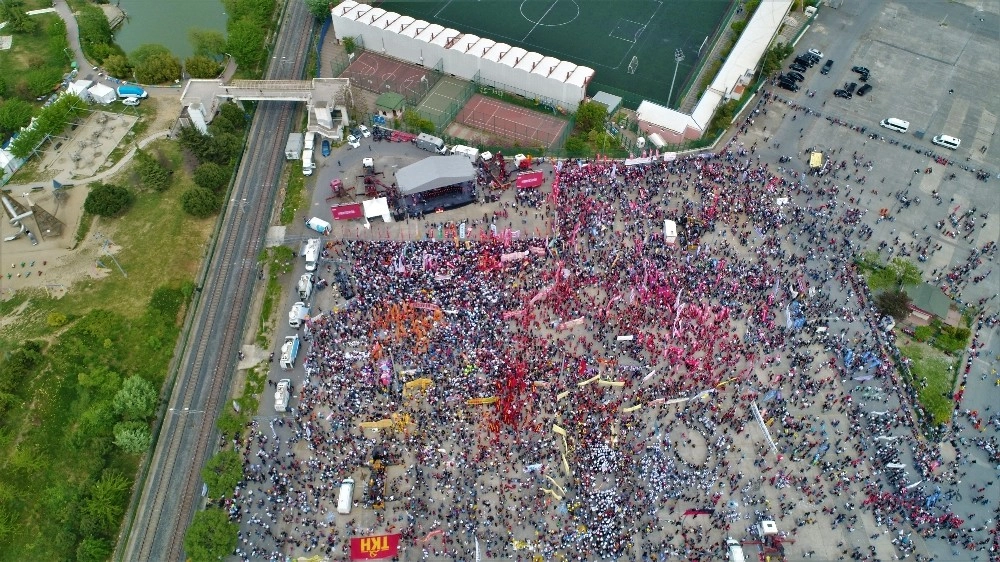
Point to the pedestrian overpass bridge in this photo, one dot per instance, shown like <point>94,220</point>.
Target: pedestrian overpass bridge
<point>325,98</point>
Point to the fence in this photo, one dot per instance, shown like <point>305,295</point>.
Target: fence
<point>319,44</point>
<point>717,36</point>
<point>442,117</point>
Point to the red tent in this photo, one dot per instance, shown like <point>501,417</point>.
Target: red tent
<point>529,180</point>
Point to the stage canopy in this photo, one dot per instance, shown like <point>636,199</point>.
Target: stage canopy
<point>434,172</point>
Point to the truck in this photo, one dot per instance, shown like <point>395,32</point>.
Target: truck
<point>308,165</point>
<point>311,253</point>
<point>309,140</point>
<point>430,143</point>
<point>298,314</point>
<point>319,225</point>
<point>305,286</point>
<point>735,550</point>
<point>467,151</point>
<point>281,395</point>
<point>130,91</point>
<point>656,140</point>
<point>293,147</point>
<point>289,352</point>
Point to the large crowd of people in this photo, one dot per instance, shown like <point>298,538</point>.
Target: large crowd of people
<point>600,390</point>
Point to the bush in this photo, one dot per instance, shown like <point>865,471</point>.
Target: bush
<point>414,121</point>
<point>154,64</point>
<point>133,437</point>
<point>107,200</point>
<point>200,66</point>
<point>136,400</point>
<point>199,202</point>
<point>118,66</point>
<point>211,176</point>
<point>56,320</point>
<point>923,333</point>
<point>738,26</point>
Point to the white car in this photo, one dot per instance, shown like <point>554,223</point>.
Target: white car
<point>816,52</point>
<point>353,141</point>
<point>364,131</point>
<point>131,101</point>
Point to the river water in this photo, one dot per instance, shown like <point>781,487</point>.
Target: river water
<point>167,22</point>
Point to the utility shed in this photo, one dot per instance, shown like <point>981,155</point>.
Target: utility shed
<point>434,172</point>
<point>390,104</point>
<point>928,302</point>
<point>610,101</point>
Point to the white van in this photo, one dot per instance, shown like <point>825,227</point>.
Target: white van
<point>947,141</point>
<point>735,551</point>
<point>894,124</point>
<point>319,225</point>
<point>346,500</point>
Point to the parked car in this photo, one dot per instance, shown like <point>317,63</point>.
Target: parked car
<point>353,141</point>
<point>795,76</point>
<point>797,67</point>
<point>863,77</point>
<point>851,87</point>
<point>843,94</point>
<point>325,148</point>
<point>816,53</point>
<point>865,89</point>
<point>827,67</point>
<point>130,101</point>
<point>364,131</point>
<point>859,69</point>
<point>790,86</point>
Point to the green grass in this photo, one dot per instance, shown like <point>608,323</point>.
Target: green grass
<point>294,196</point>
<point>36,62</point>
<point>934,367</point>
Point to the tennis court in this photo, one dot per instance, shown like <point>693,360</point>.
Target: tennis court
<point>630,44</point>
<point>511,122</point>
<point>379,74</point>
<point>443,102</point>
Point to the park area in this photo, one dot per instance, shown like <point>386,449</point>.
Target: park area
<point>629,44</point>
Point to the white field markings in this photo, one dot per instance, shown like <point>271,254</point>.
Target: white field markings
<point>629,51</point>
<point>532,30</point>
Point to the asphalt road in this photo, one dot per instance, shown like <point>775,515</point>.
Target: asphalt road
<point>170,490</point>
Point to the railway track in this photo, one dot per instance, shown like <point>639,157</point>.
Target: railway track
<point>171,487</point>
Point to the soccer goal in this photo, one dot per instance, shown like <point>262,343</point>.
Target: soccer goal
<point>634,64</point>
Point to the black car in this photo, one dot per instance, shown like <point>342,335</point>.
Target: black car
<point>864,89</point>
<point>851,87</point>
<point>859,69</point>
<point>863,77</point>
<point>790,86</point>
<point>827,67</point>
<point>797,67</point>
<point>795,76</point>
<point>843,94</point>
<point>805,61</point>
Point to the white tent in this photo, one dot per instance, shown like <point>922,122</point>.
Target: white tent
<point>80,88</point>
<point>669,231</point>
<point>102,94</point>
<point>377,208</point>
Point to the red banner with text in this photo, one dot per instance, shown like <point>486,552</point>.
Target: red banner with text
<point>375,547</point>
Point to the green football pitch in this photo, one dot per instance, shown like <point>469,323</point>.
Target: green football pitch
<point>630,44</point>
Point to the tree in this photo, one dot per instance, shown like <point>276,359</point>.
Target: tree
<point>151,173</point>
<point>146,52</point>
<point>200,66</point>
<point>320,9</point>
<point>207,42</point>
<point>894,303</point>
<point>246,43</point>
<point>136,400</point>
<point>132,437</point>
<point>18,21</point>
<point>211,176</point>
<point>158,69</point>
<point>93,549</point>
<point>907,273</point>
<point>118,66</point>
<point>107,200</point>
<point>99,380</point>
<point>591,115</point>
<point>211,536</point>
<point>199,202</point>
<point>222,473</point>
<point>350,44</point>
<point>104,504</point>
<point>14,114</point>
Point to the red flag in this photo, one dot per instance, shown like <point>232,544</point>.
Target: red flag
<point>375,547</point>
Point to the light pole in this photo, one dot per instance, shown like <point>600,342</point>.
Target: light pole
<point>678,57</point>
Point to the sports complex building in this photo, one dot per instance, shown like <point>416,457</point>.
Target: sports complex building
<point>559,52</point>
